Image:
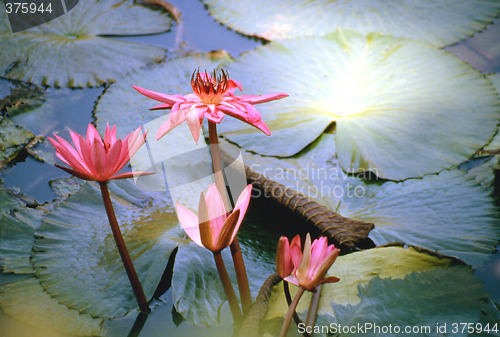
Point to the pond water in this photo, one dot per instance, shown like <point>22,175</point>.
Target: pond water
<point>197,32</point>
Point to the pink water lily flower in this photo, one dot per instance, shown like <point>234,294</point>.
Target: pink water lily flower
<point>213,228</point>
<point>213,98</point>
<point>92,158</point>
<point>312,265</point>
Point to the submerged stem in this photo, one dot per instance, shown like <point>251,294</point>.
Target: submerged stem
<point>239,263</point>
<point>122,249</point>
<point>228,288</point>
<point>291,310</point>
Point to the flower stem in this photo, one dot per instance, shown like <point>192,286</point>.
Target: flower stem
<point>122,249</point>
<point>241,276</point>
<point>239,263</point>
<point>296,318</point>
<point>228,288</point>
<point>291,310</point>
<point>314,306</point>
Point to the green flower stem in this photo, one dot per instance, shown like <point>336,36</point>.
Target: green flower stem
<point>228,288</point>
<point>239,263</point>
<point>122,249</point>
<point>296,317</point>
<point>313,307</point>
<point>291,310</point>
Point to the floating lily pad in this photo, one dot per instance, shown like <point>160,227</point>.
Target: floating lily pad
<point>495,143</point>
<point>21,97</point>
<point>76,259</point>
<point>392,285</point>
<point>401,108</point>
<point>12,140</point>
<point>197,291</point>
<point>28,303</point>
<point>437,22</point>
<point>447,212</point>
<point>73,50</point>
<point>485,172</point>
<point>17,226</point>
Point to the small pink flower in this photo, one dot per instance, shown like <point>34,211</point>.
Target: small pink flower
<point>95,159</point>
<point>213,98</point>
<point>312,265</point>
<point>213,228</point>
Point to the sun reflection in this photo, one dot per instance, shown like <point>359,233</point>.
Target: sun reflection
<point>348,95</point>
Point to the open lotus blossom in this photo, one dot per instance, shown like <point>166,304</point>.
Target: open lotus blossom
<point>312,265</point>
<point>95,159</point>
<point>212,97</point>
<point>213,228</point>
<point>284,262</point>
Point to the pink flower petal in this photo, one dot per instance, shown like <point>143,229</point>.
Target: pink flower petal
<point>194,125</point>
<point>169,99</point>
<point>99,160</point>
<point>93,135</point>
<point>134,174</point>
<point>76,173</point>
<point>216,210</point>
<point>242,202</point>
<point>296,251</point>
<point>189,222</point>
<point>257,99</point>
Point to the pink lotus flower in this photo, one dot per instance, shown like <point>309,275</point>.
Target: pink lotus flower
<point>212,97</point>
<point>95,159</point>
<point>213,228</point>
<point>312,265</point>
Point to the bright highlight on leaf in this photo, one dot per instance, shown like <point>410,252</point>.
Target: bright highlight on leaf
<point>71,51</point>
<point>439,22</point>
<point>30,304</point>
<point>401,108</point>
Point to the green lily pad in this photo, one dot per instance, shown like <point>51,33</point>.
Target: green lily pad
<point>197,291</point>
<point>401,108</point>
<point>484,173</point>
<point>73,50</point>
<point>28,303</point>
<point>12,140</point>
<point>495,143</point>
<point>447,212</point>
<point>76,259</point>
<point>437,22</point>
<point>17,226</point>
<point>21,97</point>
<point>392,285</point>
